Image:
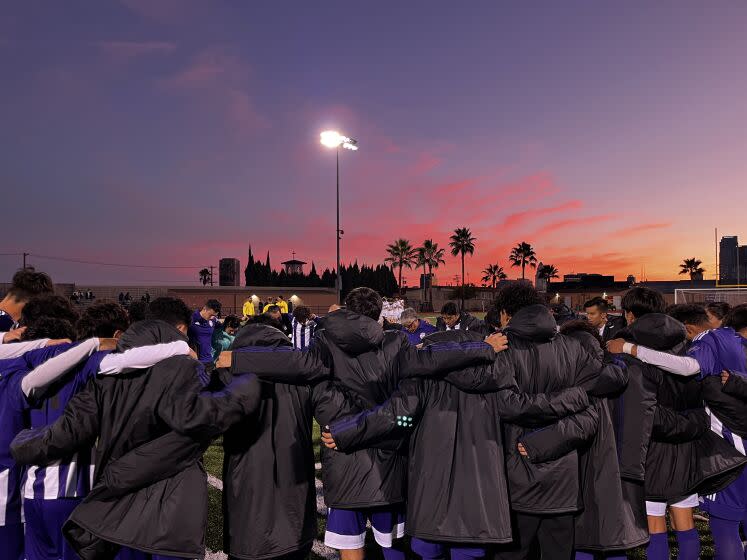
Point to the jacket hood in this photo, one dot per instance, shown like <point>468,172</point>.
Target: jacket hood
<point>353,333</point>
<point>656,331</point>
<point>260,335</point>
<point>147,333</point>
<point>588,342</point>
<point>534,322</point>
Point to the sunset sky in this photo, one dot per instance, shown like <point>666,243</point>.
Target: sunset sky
<point>611,136</point>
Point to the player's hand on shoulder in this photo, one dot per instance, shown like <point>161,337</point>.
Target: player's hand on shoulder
<point>498,341</point>
<point>615,346</point>
<point>224,360</point>
<point>14,335</point>
<point>107,343</point>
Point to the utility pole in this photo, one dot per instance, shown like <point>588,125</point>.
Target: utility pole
<point>211,274</point>
<point>24,259</point>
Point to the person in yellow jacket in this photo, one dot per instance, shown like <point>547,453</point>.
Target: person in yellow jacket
<point>248,309</point>
<point>282,304</point>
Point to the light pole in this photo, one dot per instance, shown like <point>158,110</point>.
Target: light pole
<point>333,139</point>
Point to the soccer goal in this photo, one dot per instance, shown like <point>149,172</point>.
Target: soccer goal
<point>732,296</point>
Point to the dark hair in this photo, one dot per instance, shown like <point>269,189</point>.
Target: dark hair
<point>737,317</point>
<point>515,296</point>
<point>50,327</point>
<point>102,320</point>
<point>641,301</point>
<point>366,302</point>
<point>213,304</point>
<point>689,314</point>
<point>718,309</point>
<point>273,309</point>
<point>169,309</point>
<point>138,310</point>
<point>450,308</point>
<point>49,305</point>
<point>598,302</point>
<point>266,319</point>
<point>27,284</point>
<point>577,325</point>
<point>302,314</point>
<point>231,322</point>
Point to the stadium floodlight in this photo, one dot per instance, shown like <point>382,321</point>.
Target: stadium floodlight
<point>333,139</point>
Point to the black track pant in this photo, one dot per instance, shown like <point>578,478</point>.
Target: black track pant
<point>550,536</point>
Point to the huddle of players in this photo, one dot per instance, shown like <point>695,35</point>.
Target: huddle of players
<point>512,444</point>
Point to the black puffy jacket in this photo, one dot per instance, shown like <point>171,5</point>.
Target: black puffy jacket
<point>269,495</point>
<point>366,364</point>
<point>684,456</point>
<point>124,416</point>
<point>544,361</point>
<point>614,515</point>
<point>456,473</point>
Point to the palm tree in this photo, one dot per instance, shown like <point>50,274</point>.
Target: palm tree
<point>493,274</point>
<point>692,267</point>
<point>523,255</point>
<point>462,243</point>
<point>548,272</point>
<point>204,276</point>
<point>433,257</point>
<point>401,254</point>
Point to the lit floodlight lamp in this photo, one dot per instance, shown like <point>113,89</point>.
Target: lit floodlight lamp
<point>333,139</point>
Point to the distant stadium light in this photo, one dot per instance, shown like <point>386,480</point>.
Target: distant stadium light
<point>333,139</point>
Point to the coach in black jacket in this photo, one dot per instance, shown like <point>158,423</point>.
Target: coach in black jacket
<point>456,447</point>
<point>126,412</point>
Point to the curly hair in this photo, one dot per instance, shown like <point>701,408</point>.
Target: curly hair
<point>27,283</point>
<point>50,327</point>
<point>50,306</point>
<point>515,296</point>
<point>102,320</point>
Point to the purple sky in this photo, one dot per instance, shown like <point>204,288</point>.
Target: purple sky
<point>611,136</point>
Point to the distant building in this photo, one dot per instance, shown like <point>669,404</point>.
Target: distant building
<point>631,279</point>
<point>732,261</point>
<point>427,280</point>
<point>229,272</point>
<point>591,280</point>
<point>540,282</point>
<point>293,266</point>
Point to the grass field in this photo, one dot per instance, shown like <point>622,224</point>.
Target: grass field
<point>214,465</point>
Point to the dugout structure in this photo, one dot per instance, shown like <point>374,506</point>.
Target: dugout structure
<point>732,296</point>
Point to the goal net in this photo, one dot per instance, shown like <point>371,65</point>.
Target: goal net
<point>732,296</point>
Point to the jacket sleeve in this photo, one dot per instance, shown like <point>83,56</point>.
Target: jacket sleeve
<point>331,401</point>
<point>16,349</point>
<point>391,420</point>
<point>551,443</point>
<point>282,364</point>
<point>142,357</point>
<point>190,409</point>
<point>486,378</point>
<point>679,427</point>
<point>34,383</point>
<point>534,411</point>
<point>736,386</point>
<point>149,463</point>
<point>612,378</point>
<point>442,357</point>
<point>77,427</point>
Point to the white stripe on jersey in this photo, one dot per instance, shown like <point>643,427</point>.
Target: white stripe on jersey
<point>738,443</point>
<point>51,481</point>
<point>28,487</point>
<point>71,483</point>
<point>4,492</point>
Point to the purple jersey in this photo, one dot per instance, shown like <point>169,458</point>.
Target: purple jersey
<point>719,349</point>
<point>201,337</point>
<point>423,330</point>
<point>13,410</point>
<point>70,478</point>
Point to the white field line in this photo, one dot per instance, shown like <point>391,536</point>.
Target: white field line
<point>318,548</point>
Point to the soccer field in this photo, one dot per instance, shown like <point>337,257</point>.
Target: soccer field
<point>213,461</point>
